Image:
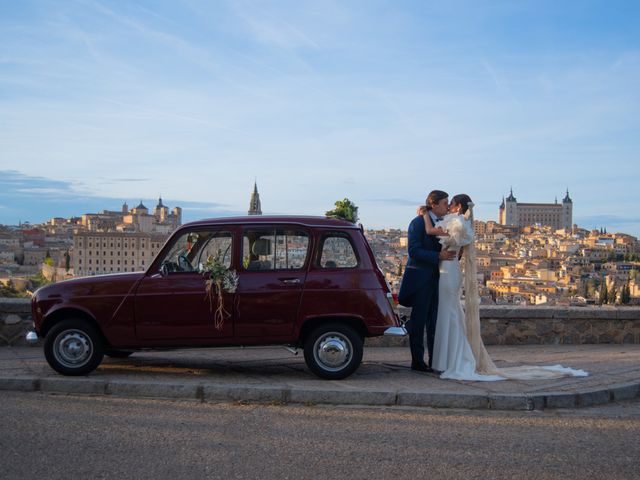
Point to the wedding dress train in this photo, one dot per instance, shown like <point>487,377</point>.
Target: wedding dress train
<point>459,352</point>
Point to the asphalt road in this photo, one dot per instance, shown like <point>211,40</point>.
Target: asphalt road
<point>45,436</point>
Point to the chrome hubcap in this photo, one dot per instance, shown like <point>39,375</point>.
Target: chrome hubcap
<point>332,351</point>
<point>72,348</point>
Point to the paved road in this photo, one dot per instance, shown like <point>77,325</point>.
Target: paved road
<point>48,436</point>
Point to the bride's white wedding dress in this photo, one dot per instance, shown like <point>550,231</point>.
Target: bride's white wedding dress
<point>458,351</point>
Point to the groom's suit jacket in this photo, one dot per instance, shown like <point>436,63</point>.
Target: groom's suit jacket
<point>422,270</point>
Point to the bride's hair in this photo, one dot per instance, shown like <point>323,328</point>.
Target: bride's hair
<point>464,201</point>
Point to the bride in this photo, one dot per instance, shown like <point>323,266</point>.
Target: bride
<point>459,352</point>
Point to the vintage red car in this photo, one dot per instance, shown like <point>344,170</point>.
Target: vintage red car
<point>302,282</point>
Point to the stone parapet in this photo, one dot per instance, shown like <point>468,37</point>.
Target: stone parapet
<point>559,325</point>
<point>15,320</point>
<point>501,325</point>
<point>511,325</point>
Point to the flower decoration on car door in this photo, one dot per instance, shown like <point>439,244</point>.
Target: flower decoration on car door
<point>218,279</point>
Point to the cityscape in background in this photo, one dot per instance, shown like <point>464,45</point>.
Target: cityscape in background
<point>532,255</point>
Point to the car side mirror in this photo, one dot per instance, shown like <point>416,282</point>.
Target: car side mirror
<point>164,271</point>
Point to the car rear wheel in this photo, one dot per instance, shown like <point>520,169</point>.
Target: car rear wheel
<point>73,347</point>
<point>333,351</point>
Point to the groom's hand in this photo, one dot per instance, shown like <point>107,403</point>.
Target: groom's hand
<point>447,254</point>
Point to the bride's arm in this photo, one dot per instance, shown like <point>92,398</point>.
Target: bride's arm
<point>428,227</point>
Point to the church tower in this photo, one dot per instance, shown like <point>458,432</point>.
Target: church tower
<point>254,203</point>
<point>161,212</point>
<point>567,212</point>
<point>511,210</point>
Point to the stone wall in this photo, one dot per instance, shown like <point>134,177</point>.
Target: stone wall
<point>15,320</point>
<point>501,325</point>
<point>508,325</point>
<point>556,325</point>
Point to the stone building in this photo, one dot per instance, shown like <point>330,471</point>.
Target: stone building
<point>137,219</point>
<point>555,215</point>
<point>96,253</point>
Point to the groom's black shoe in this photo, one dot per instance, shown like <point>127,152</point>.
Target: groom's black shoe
<point>421,367</point>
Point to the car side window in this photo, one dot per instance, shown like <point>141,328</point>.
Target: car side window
<point>191,250</point>
<point>292,249</point>
<point>337,252</point>
<point>220,243</point>
<point>279,249</point>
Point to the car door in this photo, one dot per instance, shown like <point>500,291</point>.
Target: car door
<point>173,303</point>
<point>271,281</point>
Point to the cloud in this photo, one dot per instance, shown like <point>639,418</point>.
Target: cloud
<point>131,179</point>
<point>393,201</point>
<point>604,220</point>
<point>36,199</point>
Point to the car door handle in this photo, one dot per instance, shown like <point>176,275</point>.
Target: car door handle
<point>290,281</point>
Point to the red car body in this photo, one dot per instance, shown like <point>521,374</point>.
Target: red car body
<point>161,308</point>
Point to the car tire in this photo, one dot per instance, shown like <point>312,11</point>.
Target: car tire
<point>116,353</point>
<point>333,351</point>
<point>73,347</point>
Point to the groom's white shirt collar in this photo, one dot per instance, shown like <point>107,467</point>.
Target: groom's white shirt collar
<point>433,216</point>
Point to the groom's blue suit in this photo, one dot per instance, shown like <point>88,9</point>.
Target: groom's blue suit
<point>419,288</point>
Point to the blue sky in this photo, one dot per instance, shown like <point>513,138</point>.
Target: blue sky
<point>379,101</point>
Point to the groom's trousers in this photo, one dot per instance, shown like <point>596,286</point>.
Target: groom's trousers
<point>424,313</point>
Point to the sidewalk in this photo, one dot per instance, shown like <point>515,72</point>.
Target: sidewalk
<point>274,375</point>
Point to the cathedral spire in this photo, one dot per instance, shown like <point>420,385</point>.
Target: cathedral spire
<point>254,204</point>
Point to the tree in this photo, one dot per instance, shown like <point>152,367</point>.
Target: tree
<point>625,295</point>
<point>400,269</point>
<point>604,294</point>
<point>613,294</point>
<point>48,260</point>
<point>67,261</point>
<point>345,210</point>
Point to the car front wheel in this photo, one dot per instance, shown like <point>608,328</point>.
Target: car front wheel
<point>73,347</point>
<point>333,351</point>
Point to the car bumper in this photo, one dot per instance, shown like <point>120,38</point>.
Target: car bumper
<point>31,337</point>
<point>396,331</point>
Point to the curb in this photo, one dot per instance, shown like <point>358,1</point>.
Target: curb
<point>217,393</point>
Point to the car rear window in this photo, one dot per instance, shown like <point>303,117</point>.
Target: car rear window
<point>337,252</point>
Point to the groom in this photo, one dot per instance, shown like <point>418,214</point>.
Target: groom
<point>419,289</point>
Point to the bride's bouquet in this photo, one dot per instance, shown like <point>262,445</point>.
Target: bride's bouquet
<point>459,229</point>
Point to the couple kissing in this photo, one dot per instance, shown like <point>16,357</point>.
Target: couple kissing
<point>440,238</point>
